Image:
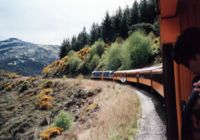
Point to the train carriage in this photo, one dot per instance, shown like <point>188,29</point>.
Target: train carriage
<point>107,75</point>
<point>97,74</point>
<point>149,76</point>
<point>175,16</point>
<point>157,81</point>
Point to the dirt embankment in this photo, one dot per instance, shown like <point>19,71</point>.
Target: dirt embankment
<point>28,105</point>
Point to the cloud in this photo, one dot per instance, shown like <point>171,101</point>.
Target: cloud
<point>49,21</point>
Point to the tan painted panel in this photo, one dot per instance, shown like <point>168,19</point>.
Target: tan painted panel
<point>158,87</point>
<point>145,81</point>
<point>131,79</point>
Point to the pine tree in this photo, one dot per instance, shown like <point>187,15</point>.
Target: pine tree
<point>74,43</point>
<point>134,14</point>
<point>95,33</point>
<point>107,29</point>
<point>99,30</point>
<point>143,11</point>
<point>82,40</point>
<point>117,22</point>
<point>65,48</point>
<point>124,26</point>
<point>151,11</point>
<point>147,11</point>
<point>127,11</point>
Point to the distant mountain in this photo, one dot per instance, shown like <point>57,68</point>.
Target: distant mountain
<point>24,57</point>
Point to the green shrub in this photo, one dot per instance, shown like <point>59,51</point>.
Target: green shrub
<point>99,47</point>
<point>71,53</point>
<point>146,27</point>
<point>64,120</point>
<point>125,59</point>
<point>96,49</point>
<point>138,45</point>
<point>75,64</point>
<point>94,55</point>
<point>94,62</point>
<point>112,58</point>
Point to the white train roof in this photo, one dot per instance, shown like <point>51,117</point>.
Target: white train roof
<point>103,71</point>
<point>157,67</point>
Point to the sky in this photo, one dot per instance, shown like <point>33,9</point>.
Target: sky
<point>51,21</point>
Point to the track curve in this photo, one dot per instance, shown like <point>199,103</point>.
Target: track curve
<point>152,125</point>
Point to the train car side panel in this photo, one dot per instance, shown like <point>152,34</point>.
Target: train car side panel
<point>132,79</point>
<point>158,87</point>
<point>145,81</point>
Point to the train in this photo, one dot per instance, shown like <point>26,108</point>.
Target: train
<point>149,76</point>
<point>171,80</point>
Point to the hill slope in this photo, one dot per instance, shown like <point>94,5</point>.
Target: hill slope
<point>98,108</point>
<point>26,58</point>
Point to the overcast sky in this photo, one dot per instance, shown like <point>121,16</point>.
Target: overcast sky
<point>50,21</point>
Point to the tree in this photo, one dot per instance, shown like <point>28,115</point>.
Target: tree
<point>112,58</point>
<point>107,29</point>
<point>65,48</point>
<point>151,12</point>
<point>143,11</point>
<point>124,26</point>
<point>81,40</point>
<point>134,14</point>
<point>95,33</point>
<point>74,43</point>
<point>138,47</point>
<point>147,11</point>
<point>117,22</point>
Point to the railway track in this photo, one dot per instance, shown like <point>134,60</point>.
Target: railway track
<point>152,125</point>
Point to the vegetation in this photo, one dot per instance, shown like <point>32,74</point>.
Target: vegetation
<point>50,132</point>
<point>140,49</point>
<point>102,114</point>
<point>124,40</point>
<point>64,120</point>
<point>119,119</point>
<point>65,48</point>
<point>120,24</point>
<point>44,99</point>
<point>111,59</point>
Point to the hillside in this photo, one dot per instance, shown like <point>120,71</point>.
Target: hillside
<point>24,57</point>
<point>29,108</point>
<point>137,51</point>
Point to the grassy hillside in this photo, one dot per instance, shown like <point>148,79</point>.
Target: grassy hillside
<point>138,50</point>
<point>36,108</point>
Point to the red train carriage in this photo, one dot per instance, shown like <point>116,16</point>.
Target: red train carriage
<point>176,16</point>
<point>149,76</point>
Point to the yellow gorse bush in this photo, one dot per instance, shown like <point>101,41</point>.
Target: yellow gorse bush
<point>50,132</point>
<point>44,99</point>
<point>83,53</point>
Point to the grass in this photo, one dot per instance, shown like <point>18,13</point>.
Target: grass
<point>78,80</point>
<point>121,121</point>
<point>118,118</point>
